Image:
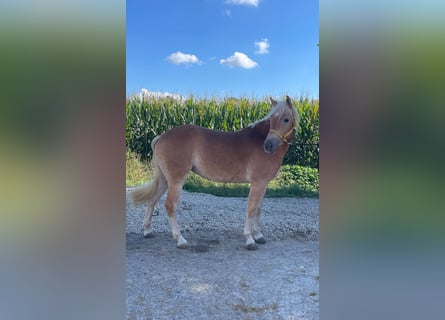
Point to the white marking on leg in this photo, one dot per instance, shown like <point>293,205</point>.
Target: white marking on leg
<point>182,243</point>
<point>258,235</point>
<point>250,241</point>
<point>256,230</point>
<point>147,221</point>
<point>255,224</point>
<point>148,231</point>
<point>248,227</point>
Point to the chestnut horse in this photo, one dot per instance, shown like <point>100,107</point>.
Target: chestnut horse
<point>252,155</point>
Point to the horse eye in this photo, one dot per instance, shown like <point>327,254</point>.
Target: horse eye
<point>286,120</point>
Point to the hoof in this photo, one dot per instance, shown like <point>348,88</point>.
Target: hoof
<point>182,245</point>
<point>251,246</point>
<point>260,240</point>
<point>149,235</point>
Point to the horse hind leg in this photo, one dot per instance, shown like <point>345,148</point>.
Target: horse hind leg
<point>174,191</point>
<point>147,224</point>
<point>150,193</point>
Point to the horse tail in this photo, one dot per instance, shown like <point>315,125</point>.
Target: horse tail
<point>153,144</point>
<point>148,191</point>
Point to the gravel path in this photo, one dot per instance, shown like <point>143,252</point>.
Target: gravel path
<point>217,278</point>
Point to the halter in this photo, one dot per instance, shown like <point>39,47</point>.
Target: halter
<point>283,137</point>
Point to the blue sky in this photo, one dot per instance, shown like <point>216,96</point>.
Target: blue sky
<point>223,47</point>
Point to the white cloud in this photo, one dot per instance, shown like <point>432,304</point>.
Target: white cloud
<point>183,58</point>
<point>262,46</point>
<point>253,3</point>
<point>239,59</point>
<point>145,94</point>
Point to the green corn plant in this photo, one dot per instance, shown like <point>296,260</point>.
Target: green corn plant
<point>147,118</point>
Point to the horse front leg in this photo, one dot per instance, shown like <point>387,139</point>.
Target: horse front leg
<point>252,230</point>
<point>256,229</point>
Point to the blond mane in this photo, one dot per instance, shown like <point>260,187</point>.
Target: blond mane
<point>277,111</point>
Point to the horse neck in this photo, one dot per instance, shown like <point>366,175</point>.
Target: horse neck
<point>261,128</point>
<point>258,134</point>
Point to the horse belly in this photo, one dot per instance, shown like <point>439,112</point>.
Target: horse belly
<point>220,170</point>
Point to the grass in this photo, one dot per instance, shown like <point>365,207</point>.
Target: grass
<point>195,183</point>
<point>137,172</point>
<point>293,181</point>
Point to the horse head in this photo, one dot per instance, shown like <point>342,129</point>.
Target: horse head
<point>283,120</point>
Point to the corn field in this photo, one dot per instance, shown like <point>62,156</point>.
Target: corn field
<point>149,117</point>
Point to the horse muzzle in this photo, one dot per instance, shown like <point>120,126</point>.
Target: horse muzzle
<point>271,144</point>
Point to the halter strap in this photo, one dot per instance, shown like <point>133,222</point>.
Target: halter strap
<point>282,137</point>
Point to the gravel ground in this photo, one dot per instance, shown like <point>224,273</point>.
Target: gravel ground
<point>217,278</point>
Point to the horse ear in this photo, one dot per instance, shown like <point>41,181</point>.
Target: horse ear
<point>289,102</point>
<point>274,102</point>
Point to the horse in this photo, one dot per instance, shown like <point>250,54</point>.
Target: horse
<point>252,155</point>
